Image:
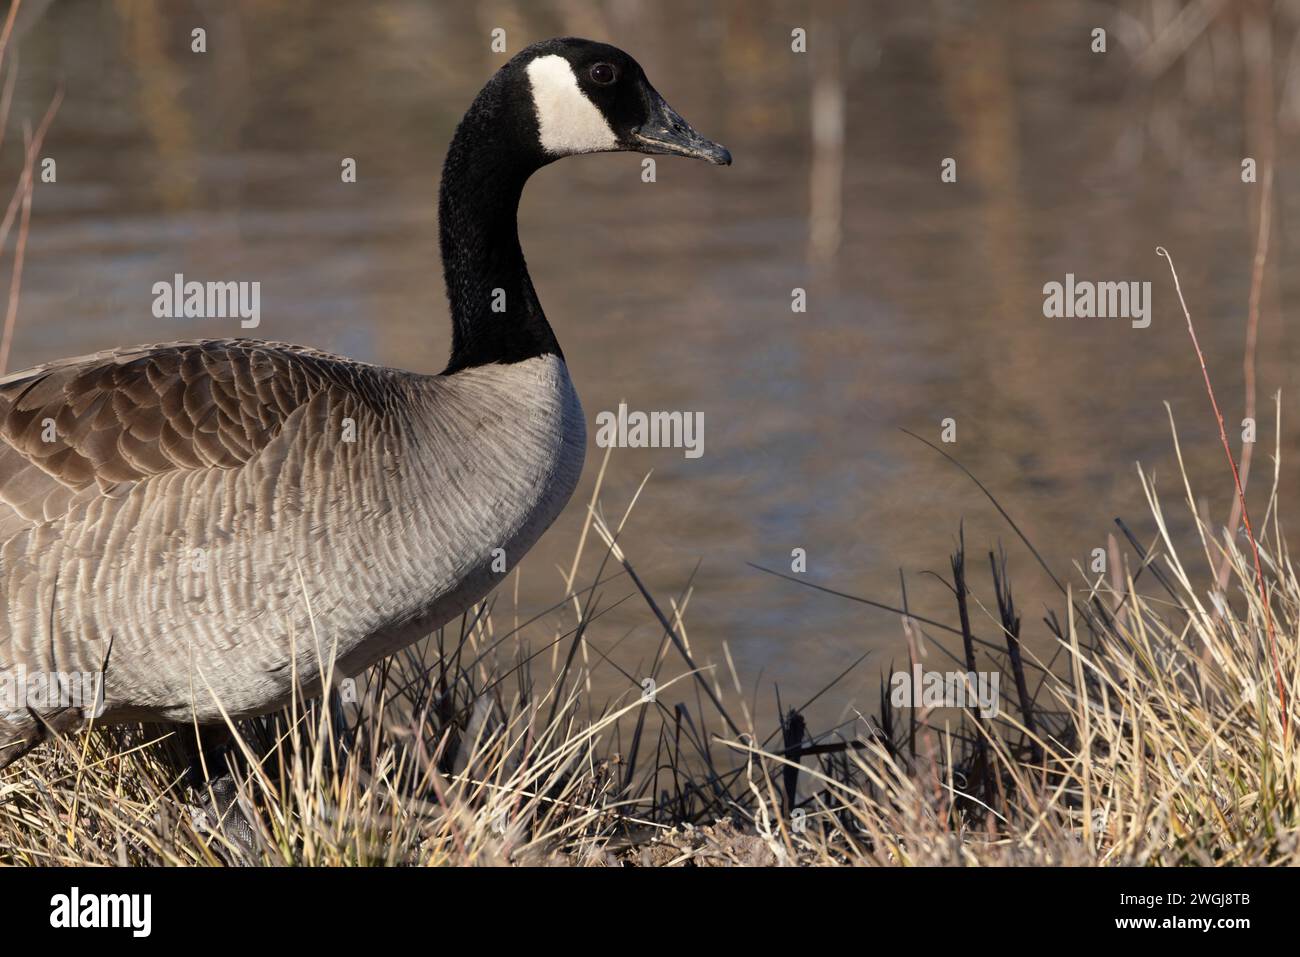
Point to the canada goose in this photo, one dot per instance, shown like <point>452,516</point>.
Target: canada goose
<point>200,522</point>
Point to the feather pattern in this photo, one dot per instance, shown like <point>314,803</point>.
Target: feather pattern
<point>202,521</point>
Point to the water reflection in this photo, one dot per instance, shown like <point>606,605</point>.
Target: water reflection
<point>924,298</point>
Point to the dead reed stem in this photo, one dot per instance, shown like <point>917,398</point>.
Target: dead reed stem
<point>1241,497</point>
<point>1248,362</point>
<point>21,200</point>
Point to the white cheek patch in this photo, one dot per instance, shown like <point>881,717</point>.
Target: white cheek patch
<point>567,121</point>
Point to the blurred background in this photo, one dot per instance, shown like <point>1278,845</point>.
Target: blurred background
<point>925,299</point>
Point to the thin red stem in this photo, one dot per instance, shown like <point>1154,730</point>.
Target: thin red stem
<point>1241,494</point>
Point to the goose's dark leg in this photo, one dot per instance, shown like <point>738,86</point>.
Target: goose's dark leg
<point>210,776</point>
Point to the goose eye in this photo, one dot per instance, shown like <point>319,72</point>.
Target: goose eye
<point>603,73</point>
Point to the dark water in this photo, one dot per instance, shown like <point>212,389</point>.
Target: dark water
<point>924,298</point>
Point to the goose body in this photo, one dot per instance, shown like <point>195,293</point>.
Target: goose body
<point>206,525</point>
<point>228,562</point>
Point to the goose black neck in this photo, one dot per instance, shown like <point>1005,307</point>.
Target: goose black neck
<point>496,316</point>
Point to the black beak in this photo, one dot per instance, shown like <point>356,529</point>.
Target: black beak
<point>664,131</point>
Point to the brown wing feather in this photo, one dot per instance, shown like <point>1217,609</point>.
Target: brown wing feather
<point>122,416</point>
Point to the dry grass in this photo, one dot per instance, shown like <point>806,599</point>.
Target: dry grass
<point>1153,737</point>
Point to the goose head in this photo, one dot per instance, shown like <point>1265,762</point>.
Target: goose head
<point>590,97</point>
<point>553,99</point>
